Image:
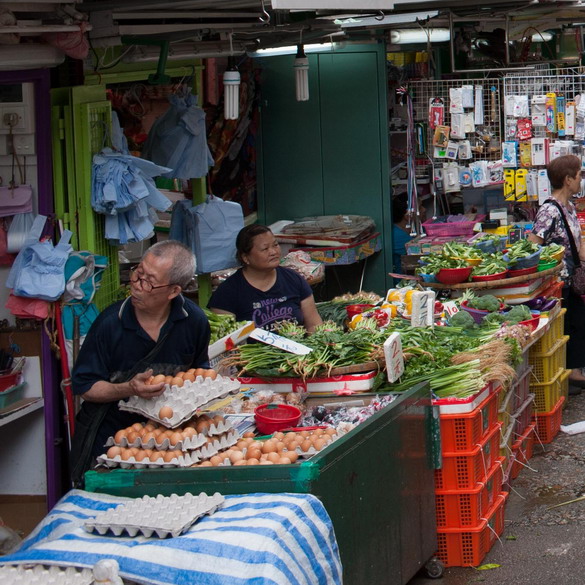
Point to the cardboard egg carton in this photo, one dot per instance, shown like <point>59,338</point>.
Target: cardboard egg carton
<point>188,444</point>
<point>186,460</point>
<point>44,575</point>
<point>184,400</point>
<point>219,444</point>
<point>161,516</point>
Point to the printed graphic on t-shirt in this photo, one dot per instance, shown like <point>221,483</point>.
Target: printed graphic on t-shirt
<point>268,312</point>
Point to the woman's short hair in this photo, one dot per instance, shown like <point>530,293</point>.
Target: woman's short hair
<point>561,167</point>
<point>399,207</point>
<point>245,239</point>
<point>183,266</point>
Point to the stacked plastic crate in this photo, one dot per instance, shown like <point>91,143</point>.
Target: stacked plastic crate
<point>550,378</point>
<point>469,497</point>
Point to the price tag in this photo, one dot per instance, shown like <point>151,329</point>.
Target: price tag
<point>281,342</point>
<point>423,305</point>
<point>394,357</point>
<point>450,308</point>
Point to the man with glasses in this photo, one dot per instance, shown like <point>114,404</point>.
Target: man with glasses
<point>154,331</point>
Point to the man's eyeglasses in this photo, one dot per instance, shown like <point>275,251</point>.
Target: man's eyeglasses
<point>145,285</point>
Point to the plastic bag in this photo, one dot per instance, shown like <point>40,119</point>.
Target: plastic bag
<point>217,223</point>
<point>301,262</point>
<point>39,269</point>
<point>20,225</point>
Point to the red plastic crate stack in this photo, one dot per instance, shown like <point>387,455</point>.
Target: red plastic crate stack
<point>523,450</point>
<point>468,488</point>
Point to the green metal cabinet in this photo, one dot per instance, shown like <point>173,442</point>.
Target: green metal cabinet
<point>328,155</point>
<point>376,482</point>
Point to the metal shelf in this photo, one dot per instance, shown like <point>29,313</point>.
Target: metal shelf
<point>20,409</point>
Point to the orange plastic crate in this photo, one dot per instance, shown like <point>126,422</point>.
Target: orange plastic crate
<point>465,508</point>
<point>463,432</point>
<point>467,548</point>
<point>546,365</point>
<point>462,470</point>
<point>548,424</point>
<point>522,449</point>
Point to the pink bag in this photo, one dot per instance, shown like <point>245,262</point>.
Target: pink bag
<point>27,308</point>
<point>17,199</point>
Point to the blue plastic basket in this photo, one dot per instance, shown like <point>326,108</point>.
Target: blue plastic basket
<point>491,246</point>
<point>527,262</point>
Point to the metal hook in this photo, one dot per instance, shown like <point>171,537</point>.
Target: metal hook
<point>265,18</point>
<point>380,16</point>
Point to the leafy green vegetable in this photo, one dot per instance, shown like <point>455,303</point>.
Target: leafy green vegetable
<point>463,319</point>
<point>485,303</point>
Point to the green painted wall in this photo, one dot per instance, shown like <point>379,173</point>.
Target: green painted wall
<point>328,155</point>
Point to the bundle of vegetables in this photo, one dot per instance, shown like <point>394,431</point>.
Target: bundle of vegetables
<point>492,264</point>
<point>547,252</point>
<point>332,347</point>
<point>221,325</point>
<point>335,309</point>
<point>459,250</point>
<point>432,263</point>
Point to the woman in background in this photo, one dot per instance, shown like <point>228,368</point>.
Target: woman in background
<point>564,174</point>
<point>263,291</point>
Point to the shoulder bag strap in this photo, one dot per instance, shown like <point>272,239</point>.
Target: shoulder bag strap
<point>574,251</point>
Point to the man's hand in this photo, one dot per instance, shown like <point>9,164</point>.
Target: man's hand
<point>140,388</point>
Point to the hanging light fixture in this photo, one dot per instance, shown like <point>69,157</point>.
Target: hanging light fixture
<point>231,86</point>
<point>301,67</point>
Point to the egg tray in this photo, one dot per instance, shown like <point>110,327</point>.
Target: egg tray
<point>162,516</point>
<point>185,461</point>
<point>184,400</point>
<point>189,444</point>
<point>214,448</point>
<point>44,575</point>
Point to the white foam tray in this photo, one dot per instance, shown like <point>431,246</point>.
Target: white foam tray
<point>183,400</point>
<point>44,575</point>
<point>186,460</point>
<point>161,516</point>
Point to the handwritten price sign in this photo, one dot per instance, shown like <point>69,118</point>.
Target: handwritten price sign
<point>423,306</point>
<point>394,357</point>
<point>281,342</point>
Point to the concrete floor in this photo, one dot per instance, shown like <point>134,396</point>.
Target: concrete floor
<point>539,544</point>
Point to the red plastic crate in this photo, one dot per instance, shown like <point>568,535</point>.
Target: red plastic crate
<point>467,548</point>
<point>522,449</point>
<point>463,432</point>
<point>462,470</point>
<point>548,424</point>
<point>465,508</point>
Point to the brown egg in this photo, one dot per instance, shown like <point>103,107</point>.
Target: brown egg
<point>236,456</point>
<point>199,372</point>
<point>169,456</point>
<point>253,454</point>
<point>249,434</point>
<point>269,446</point>
<point>205,464</point>
<point>266,462</point>
<point>165,412</point>
<point>176,438</point>
<point>210,374</point>
<point>252,461</point>
<point>218,419</point>
<point>284,461</point>
<point>176,381</point>
<point>292,455</point>
<point>134,450</point>
<point>279,446</point>
<point>216,460</point>
<point>202,427</point>
<point>119,436</point>
<point>150,426</point>
<point>189,432</point>
<point>306,445</point>
<point>188,377</point>
<point>205,417</point>
<point>131,437</point>
<point>304,434</point>
<point>191,371</point>
<point>126,454</point>
<point>241,462</point>
<point>147,436</point>
<point>157,455</point>
<point>317,432</point>
<point>274,457</point>
<point>330,431</point>
<point>113,451</point>
<point>280,436</point>
<point>319,444</point>
<point>241,444</point>
<point>141,455</point>
<point>158,379</point>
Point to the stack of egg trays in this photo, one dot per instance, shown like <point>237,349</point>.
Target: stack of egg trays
<point>186,460</point>
<point>189,444</point>
<point>184,400</point>
<point>219,444</point>
<point>41,575</point>
<point>162,515</point>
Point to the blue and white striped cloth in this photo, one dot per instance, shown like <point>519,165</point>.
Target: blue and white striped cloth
<point>260,539</point>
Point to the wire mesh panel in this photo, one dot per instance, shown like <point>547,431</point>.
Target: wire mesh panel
<point>486,134</point>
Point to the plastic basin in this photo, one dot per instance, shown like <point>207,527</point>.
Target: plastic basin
<point>488,277</point>
<point>546,265</point>
<point>477,314</point>
<point>271,418</point>
<point>522,272</point>
<point>532,323</point>
<point>454,275</point>
<point>471,261</point>
<point>526,262</point>
<point>8,380</point>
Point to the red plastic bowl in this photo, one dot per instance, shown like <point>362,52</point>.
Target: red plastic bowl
<point>8,381</point>
<point>271,418</point>
<point>532,323</point>
<point>454,275</point>
<point>522,271</point>
<point>353,310</point>
<point>487,277</point>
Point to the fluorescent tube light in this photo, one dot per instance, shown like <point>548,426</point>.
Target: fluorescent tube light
<point>291,50</point>
<point>413,35</point>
